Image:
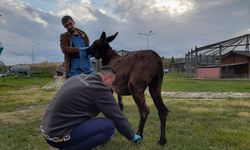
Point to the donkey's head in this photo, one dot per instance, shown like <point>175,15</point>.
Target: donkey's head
<point>100,48</point>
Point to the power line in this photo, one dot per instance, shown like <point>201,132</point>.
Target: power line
<point>13,52</point>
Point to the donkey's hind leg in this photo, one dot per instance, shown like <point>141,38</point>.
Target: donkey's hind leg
<point>155,92</point>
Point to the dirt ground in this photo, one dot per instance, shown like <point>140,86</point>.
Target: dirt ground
<point>55,84</point>
<point>205,95</point>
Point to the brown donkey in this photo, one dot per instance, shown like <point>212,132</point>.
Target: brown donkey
<point>134,72</point>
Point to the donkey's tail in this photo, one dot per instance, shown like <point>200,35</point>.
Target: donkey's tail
<point>156,82</point>
<point>155,87</point>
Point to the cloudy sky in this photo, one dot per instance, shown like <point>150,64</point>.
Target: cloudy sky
<point>177,25</point>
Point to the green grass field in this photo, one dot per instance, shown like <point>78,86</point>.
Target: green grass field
<point>178,82</point>
<point>193,124</point>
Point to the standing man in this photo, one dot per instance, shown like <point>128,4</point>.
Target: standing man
<point>73,44</point>
<point>70,121</point>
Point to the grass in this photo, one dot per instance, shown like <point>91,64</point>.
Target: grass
<point>178,82</point>
<point>22,92</point>
<point>193,124</point>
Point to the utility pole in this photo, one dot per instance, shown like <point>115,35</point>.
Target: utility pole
<point>147,35</point>
<point>36,44</point>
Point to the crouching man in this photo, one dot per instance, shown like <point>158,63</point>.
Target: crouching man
<point>70,121</point>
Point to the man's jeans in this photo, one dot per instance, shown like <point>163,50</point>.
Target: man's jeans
<point>88,134</point>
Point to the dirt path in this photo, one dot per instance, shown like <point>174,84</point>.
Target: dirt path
<point>57,83</point>
<point>216,95</point>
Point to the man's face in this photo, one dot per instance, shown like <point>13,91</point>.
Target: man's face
<point>109,80</point>
<point>70,25</point>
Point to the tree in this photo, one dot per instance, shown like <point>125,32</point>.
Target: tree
<point>171,64</point>
<point>2,67</point>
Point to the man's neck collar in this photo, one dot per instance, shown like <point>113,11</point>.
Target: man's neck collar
<point>74,33</point>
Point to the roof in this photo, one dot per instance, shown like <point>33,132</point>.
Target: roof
<point>243,53</point>
<point>180,61</point>
<point>223,47</point>
<point>218,44</point>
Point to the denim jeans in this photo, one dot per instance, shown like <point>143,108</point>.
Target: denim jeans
<point>88,135</point>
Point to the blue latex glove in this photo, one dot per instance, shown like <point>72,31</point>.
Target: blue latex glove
<point>136,139</point>
<point>83,48</point>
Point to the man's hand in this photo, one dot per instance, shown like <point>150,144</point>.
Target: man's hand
<point>136,139</point>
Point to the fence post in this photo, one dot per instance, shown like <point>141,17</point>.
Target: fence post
<point>220,72</point>
<point>196,61</point>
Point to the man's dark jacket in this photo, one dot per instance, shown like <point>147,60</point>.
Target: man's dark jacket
<point>80,98</point>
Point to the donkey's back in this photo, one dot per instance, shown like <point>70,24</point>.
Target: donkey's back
<point>139,68</point>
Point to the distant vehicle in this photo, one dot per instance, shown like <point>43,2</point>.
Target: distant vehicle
<point>3,75</point>
<point>19,69</point>
<point>166,71</point>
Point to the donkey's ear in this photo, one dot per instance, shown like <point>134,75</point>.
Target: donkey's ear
<point>103,36</point>
<point>112,37</point>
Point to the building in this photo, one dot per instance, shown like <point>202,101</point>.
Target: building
<point>122,52</point>
<point>225,59</point>
<point>236,64</point>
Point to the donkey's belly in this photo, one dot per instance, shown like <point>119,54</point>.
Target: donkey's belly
<point>121,90</point>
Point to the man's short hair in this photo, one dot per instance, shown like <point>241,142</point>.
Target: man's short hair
<point>107,70</point>
<point>66,18</point>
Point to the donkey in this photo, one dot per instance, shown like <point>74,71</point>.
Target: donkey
<point>134,72</point>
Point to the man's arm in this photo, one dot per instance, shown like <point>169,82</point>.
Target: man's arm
<point>107,105</point>
<point>64,43</point>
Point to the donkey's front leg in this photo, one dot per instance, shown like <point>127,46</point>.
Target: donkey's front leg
<point>143,110</point>
<point>120,103</point>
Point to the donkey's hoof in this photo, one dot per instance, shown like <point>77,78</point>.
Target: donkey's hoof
<point>162,142</point>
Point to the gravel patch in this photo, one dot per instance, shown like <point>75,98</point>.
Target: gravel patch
<point>54,84</point>
<point>205,95</point>
<point>58,82</point>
